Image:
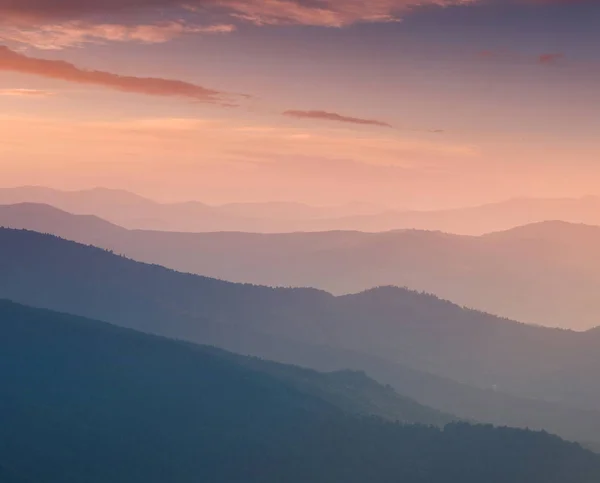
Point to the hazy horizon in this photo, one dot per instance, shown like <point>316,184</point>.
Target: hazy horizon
<point>295,201</point>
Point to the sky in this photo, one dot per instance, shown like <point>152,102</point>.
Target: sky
<point>428,104</point>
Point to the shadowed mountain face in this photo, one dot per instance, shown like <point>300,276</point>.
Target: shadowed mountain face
<point>136,212</point>
<point>109,404</point>
<point>544,274</point>
<point>352,392</point>
<point>379,331</point>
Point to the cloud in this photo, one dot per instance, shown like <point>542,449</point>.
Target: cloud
<point>326,13</point>
<point>224,141</point>
<point>75,33</point>
<point>332,13</point>
<point>515,57</point>
<point>552,58</point>
<point>332,116</point>
<point>54,69</point>
<point>25,93</point>
<point>56,24</point>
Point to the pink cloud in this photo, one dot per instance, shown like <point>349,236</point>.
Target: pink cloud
<point>53,69</point>
<point>335,13</point>
<point>75,33</point>
<point>25,93</point>
<point>56,24</point>
<point>332,116</point>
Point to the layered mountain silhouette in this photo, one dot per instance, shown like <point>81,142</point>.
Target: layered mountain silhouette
<point>353,392</point>
<point>545,273</point>
<point>85,401</point>
<point>421,345</point>
<point>133,211</point>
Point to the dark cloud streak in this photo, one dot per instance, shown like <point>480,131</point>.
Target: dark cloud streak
<point>332,116</point>
<point>515,57</point>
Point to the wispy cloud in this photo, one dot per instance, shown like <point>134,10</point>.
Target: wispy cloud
<point>332,116</point>
<point>551,58</point>
<point>25,93</point>
<point>57,24</point>
<point>516,57</point>
<point>75,33</point>
<point>53,69</point>
<point>219,140</point>
<point>333,13</point>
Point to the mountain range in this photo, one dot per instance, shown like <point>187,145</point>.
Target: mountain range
<point>546,273</point>
<point>444,356</point>
<point>136,212</point>
<point>87,402</point>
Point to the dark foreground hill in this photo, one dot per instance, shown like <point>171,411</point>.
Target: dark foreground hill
<point>83,402</point>
<point>544,274</point>
<point>417,343</point>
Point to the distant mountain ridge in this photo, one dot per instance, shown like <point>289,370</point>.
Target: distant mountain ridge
<point>394,335</point>
<point>545,273</point>
<point>136,212</point>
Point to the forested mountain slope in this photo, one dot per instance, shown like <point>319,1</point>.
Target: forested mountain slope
<point>395,335</point>
<point>88,402</point>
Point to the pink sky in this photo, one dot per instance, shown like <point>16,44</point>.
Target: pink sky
<point>288,100</point>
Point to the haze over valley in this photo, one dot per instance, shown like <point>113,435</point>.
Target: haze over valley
<point>136,212</point>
